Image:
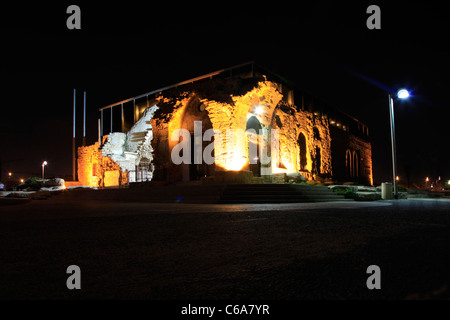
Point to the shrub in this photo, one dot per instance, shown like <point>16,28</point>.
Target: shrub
<point>346,192</point>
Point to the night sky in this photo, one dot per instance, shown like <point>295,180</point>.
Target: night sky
<point>324,47</point>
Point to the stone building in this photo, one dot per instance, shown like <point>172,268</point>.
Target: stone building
<point>241,124</point>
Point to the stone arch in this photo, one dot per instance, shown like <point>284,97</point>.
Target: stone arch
<point>303,151</point>
<point>253,130</point>
<point>253,124</point>
<point>194,113</point>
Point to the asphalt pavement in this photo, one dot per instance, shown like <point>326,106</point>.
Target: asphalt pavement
<point>176,251</point>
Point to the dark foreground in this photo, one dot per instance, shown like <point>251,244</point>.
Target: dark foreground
<point>250,252</point>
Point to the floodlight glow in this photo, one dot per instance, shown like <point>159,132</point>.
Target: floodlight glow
<point>259,110</point>
<point>44,163</point>
<point>403,94</point>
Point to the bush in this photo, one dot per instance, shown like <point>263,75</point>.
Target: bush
<point>32,181</point>
<point>32,184</point>
<point>346,192</point>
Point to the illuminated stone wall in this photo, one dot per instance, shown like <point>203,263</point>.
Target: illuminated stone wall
<point>93,168</point>
<point>233,154</point>
<point>231,110</point>
<point>88,165</point>
<point>344,144</point>
<point>364,152</point>
<point>310,143</point>
<point>291,123</point>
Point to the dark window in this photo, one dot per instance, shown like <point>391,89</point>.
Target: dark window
<point>302,145</point>
<point>316,133</point>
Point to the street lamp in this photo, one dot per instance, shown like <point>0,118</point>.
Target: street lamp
<point>401,94</point>
<point>43,165</point>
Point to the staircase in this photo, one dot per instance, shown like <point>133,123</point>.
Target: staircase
<point>277,193</point>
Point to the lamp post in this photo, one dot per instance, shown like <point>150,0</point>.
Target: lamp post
<point>401,94</point>
<point>43,165</point>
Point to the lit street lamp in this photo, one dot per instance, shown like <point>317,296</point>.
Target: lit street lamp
<point>43,165</point>
<point>401,94</point>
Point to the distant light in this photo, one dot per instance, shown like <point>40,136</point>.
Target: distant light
<point>448,182</point>
<point>44,163</point>
<point>427,179</point>
<point>259,110</point>
<point>397,178</point>
<point>21,180</point>
<point>403,94</point>
<point>10,174</point>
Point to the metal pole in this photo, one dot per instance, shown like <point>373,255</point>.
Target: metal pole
<point>394,154</point>
<point>122,118</point>
<point>101,122</point>
<point>42,172</point>
<point>99,136</point>
<point>84,120</point>
<point>111,127</point>
<point>73,140</point>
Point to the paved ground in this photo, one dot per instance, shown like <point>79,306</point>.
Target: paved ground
<point>265,252</point>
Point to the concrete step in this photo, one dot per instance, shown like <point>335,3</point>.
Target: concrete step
<point>276,200</point>
<point>190,193</point>
<point>278,193</point>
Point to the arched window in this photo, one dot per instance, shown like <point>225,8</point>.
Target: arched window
<point>302,146</point>
<point>253,124</point>
<point>348,163</point>
<point>316,133</point>
<point>352,163</point>
<point>355,165</point>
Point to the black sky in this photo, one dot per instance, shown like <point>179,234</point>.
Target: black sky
<point>125,49</point>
